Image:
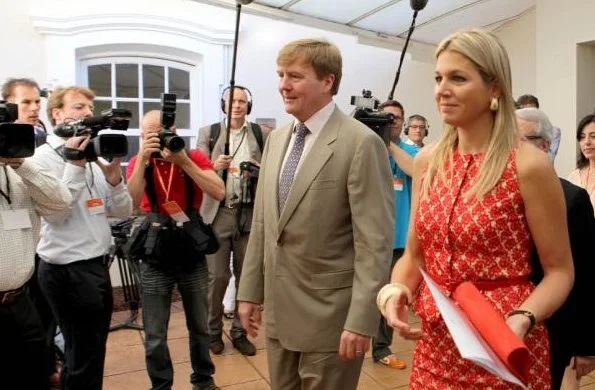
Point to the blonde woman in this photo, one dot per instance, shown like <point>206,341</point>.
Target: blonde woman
<point>584,174</point>
<point>481,201</point>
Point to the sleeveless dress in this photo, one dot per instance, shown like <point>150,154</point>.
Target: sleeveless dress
<point>478,240</point>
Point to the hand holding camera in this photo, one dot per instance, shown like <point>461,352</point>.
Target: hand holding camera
<point>76,144</point>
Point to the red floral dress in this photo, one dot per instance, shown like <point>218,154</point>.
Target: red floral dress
<point>478,240</point>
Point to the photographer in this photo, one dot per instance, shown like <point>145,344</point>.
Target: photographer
<point>73,274</point>
<point>232,218</point>
<point>401,164</point>
<point>28,192</point>
<point>158,179</point>
<point>25,93</point>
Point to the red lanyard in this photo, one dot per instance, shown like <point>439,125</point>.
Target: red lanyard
<point>171,176</point>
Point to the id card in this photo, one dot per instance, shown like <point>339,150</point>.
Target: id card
<point>95,206</point>
<point>174,210</point>
<point>15,219</point>
<point>398,184</point>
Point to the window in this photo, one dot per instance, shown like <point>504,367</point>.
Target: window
<point>136,84</point>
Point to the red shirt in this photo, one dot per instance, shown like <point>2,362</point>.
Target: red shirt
<point>177,191</point>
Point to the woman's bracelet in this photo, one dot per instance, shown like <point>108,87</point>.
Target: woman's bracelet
<point>525,313</point>
<point>387,291</point>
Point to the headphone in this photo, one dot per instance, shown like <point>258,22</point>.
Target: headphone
<point>416,118</point>
<point>248,93</point>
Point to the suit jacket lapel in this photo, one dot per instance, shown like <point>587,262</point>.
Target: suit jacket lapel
<point>276,161</point>
<point>318,155</point>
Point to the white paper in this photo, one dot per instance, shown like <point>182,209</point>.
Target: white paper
<point>469,342</point>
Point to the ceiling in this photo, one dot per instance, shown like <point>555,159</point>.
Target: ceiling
<point>392,18</point>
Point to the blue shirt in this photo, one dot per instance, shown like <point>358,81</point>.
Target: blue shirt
<point>402,189</point>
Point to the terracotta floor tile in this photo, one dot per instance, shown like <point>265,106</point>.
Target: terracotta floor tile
<point>136,380</point>
<point>234,369</point>
<point>366,382</point>
<point>388,377</point>
<point>260,363</point>
<point>124,337</point>
<point>260,384</point>
<point>124,358</point>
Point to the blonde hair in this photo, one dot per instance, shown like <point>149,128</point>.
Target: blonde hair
<point>321,54</point>
<point>56,99</point>
<point>489,56</point>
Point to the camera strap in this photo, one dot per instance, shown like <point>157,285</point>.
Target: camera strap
<point>6,195</point>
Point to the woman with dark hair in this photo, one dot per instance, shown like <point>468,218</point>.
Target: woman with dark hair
<point>584,174</point>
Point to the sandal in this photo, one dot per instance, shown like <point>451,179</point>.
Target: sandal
<point>393,362</point>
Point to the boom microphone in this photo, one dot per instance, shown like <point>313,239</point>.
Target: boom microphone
<point>246,2</point>
<point>418,5</point>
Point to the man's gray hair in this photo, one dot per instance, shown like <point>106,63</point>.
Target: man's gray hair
<point>535,115</point>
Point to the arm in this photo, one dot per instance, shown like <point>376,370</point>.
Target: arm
<point>251,287</point>
<point>370,192</point>
<point>49,195</point>
<point>136,180</point>
<point>546,216</point>
<point>406,271</point>
<point>402,158</point>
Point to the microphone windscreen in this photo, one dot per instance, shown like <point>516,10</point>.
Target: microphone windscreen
<point>244,2</point>
<point>418,5</point>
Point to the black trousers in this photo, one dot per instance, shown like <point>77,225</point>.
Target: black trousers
<point>24,351</point>
<point>80,295</point>
<point>381,343</point>
<point>45,315</point>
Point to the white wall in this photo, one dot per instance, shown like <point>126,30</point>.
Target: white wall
<point>519,39</point>
<point>560,27</point>
<point>21,46</point>
<point>364,67</point>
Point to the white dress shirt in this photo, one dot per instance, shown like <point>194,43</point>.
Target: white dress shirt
<point>315,124</point>
<point>79,234</point>
<point>41,194</point>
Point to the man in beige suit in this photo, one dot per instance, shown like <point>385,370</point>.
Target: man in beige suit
<point>322,231</point>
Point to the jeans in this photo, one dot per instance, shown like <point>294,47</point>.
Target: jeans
<point>157,286</point>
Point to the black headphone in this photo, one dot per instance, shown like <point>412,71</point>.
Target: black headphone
<point>243,89</point>
<point>416,118</point>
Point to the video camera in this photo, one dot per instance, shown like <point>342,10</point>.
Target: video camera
<point>107,146</point>
<point>249,168</point>
<point>366,111</point>
<point>167,138</point>
<point>17,140</point>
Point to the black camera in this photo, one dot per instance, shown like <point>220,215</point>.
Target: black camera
<point>17,140</point>
<point>107,146</point>
<point>249,168</point>
<point>366,111</point>
<point>167,138</point>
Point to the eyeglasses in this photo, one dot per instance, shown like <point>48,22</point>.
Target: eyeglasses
<point>421,127</point>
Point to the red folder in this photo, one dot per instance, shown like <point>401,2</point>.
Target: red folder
<point>493,328</point>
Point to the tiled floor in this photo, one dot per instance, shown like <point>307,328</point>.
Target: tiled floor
<point>125,365</point>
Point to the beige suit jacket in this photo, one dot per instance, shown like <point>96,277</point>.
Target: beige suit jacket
<point>210,205</point>
<point>318,266</point>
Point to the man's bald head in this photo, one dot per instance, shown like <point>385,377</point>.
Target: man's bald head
<point>152,121</point>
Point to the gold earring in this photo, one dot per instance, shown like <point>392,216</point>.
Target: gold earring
<point>494,104</point>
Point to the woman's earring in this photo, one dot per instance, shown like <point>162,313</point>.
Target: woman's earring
<point>494,104</point>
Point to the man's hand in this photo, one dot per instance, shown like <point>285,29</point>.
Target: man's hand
<point>583,365</point>
<point>13,162</point>
<point>112,170</point>
<point>150,146</point>
<point>250,316</point>
<point>79,143</point>
<point>222,162</point>
<point>179,158</point>
<point>353,345</point>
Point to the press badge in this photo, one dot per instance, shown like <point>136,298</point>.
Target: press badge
<point>96,206</point>
<point>173,209</point>
<point>398,184</point>
<point>15,219</point>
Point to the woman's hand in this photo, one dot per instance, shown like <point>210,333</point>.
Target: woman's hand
<point>397,316</point>
<point>519,324</point>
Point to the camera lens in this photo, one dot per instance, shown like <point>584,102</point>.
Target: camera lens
<point>174,143</point>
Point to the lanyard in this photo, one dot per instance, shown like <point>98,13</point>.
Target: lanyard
<point>7,194</point>
<point>171,176</point>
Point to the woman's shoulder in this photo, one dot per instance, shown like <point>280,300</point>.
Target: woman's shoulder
<point>530,160</point>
